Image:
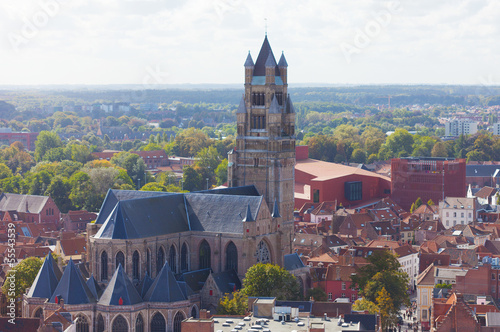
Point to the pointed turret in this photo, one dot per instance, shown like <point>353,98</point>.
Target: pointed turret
<point>242,109</point>
<point>276,210</point>
<point>282,63</point>
<point>275,107</point>
<point>46,280</point>
<point>260,63</point>
<point>144,285</point>
<point>120,290</point>
<point>72,288</point>
<point>94,287</point>
<point>249,61</point>
<point>248,216</point>
<point>165,287</point>
<point>289,105</point>
<point>270,62</point>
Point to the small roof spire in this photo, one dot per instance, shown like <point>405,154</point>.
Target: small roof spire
<point>270,62</point>
<point>242,108</point>
<point>248,217</point>
<point>282,62</point>
<point>275,107</point>
<point>249,61</point>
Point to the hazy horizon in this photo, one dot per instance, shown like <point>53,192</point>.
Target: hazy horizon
<point>154,42</point>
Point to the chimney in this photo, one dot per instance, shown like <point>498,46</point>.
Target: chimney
<point>27,210</point>
<point>338,272</point>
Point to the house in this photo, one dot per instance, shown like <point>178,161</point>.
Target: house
<point>30,208</point>
<point>77,220</point>
<point>217,286</point>
<point>457,210</point>
<point>71,248</point>
<point>338,282</point>
<point>459,317</point>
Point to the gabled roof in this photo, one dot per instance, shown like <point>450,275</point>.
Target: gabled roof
<point>94,287</point>
<point>144,285</point>
<point>22,203</point>
<point>293,262</point>
<point>46,280</point>
<point>260,63</point>
<point>120,287</point>
<point>481,170</point>
<point>219,211</point>
<point>227,281</point>
<point>165,288</point>
<point>72,288</point>
<point>486,192</point>
<point>195,279</point>
<point>427,276</point>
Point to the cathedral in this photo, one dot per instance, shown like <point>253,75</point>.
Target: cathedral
<point>154,256</point>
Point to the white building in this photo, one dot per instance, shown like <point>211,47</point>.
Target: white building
<point>459,127</point>
<point>496,128</point>
<point>457,210</point>
<point>409,260</point>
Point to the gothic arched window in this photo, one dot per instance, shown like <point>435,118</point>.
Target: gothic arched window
<point>194,312</point>
<point>135,266</point>
<point>263,255</point>
<point>148,261</point>
<point>38,313</point>
<point>172,258</point>
<point>120,259</point>
<point>160,260</point>
<point>139,324</point>
<point>184,258</point>
<point>120,324</point>
<point>231,257</point>
<point>82,325</point>
<point>179,317</point>
<point>104,266</point>
<point>205,255</point>
<point>158,323</point>
<point>100,323</point>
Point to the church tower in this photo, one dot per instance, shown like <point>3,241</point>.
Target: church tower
<point>265,144</point>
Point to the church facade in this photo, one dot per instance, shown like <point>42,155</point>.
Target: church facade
<point>150,243</point>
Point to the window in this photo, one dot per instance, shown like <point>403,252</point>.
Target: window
<point>353,298</point>
<point>160,260</point>
<point>447,223</point>
<point>353,191</point>
<point>184,258</point>
<point>120,259</point>
<point>424,299</point>
<point>135,266</point>
<point>315,195</point>
<point>139,324</point>
<point>454,214</point>
<point>343,294</point>
<point>104,266</point>
<point>447,214</point>
<point>120,324</point>
<point>330,296</point>
<point>148,262</point>
<point>172,259</point>
<point>231,257</point>
<point>462,215</point>
<point>424,314</point>
<point>179,317</point>
<point>158,323</point>
<point>100,323</point>
<point>470,215</point>
<point>81,323</point>
<point>493,289</point>
<point>204,255</point>
<point>343,286</point>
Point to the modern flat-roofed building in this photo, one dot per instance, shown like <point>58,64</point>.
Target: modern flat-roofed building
<point>427,178</point>
<point>459,127</point>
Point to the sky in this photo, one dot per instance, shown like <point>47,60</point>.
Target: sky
<point>150,42</point>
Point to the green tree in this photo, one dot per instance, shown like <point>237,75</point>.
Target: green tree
<point>430,202</point>
<point>83,194</point>
<point>133,164</point>
<point>192,181</point>
<point>439,150</point>
<point>60,189</point>
<point>234,304</point>
<point>317,293</point>
<point>5,172</point>
<point>358,156</point>
<point>270,280</point>
<point>365,305</point>
<point>45,141</point>
<point>221,172</point>
<point>388,312</point>
<point>24,275</point>
<point>80,153</point>
<point>153,186</point>
<point>382,272</point>
<point>400,143</point>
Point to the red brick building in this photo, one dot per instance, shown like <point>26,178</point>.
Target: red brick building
<point>427,178</point>
<point>319,181</point>
<point>7,137</point>
<point>29,208</point>
<point>338,283</point>
<point>77,220</point>
<point>152,159</point>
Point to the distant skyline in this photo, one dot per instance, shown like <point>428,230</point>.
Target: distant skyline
<point>152,42</point>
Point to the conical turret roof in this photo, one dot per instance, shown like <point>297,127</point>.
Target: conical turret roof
<point>275,107</point>
<point>249,61</point>
<point>282,62</point>
<point>260,64</point>
<point>94,287</point>
<point>242,108</point>
<point>165,287</point>
<point>46,280</point>
<point>72,288</point>
<point>120,290</point>
<point>248,216</point>
<point>144,285</point>
<point>276,210</point>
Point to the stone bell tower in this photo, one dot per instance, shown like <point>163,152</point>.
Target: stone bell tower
<point>265,144</point>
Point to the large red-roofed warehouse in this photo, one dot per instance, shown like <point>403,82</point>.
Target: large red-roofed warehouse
<point>318,181</point>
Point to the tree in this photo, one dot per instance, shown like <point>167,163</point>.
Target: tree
<point>388,312</point>
<point>382,272</point>
<point>132,163</point>
<point>365,305</point>
<point>234,304</point>
<point>45,141</point>
<point>221,172</point>
<point>102,179</point>
<point>317,293</point>
<point>192,181</point>
<point>430,202</point>
<point>153,186</point>
<point>400,143</point>
<point>439,150</point>
<point>270,280</point>
<point>358,156</point>
<point>60,189</point>
<point>83,194</point>
<point>24,275</point>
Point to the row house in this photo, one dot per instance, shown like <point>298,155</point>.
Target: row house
<point>458,210</point>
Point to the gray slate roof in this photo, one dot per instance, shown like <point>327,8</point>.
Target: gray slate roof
<point>120,286</point>
<point>260,64</point>
<point>249,61</point>
<point>282,62</point>
<point>481,170</point>
<point>94,287</point>
<point>15,202</point>
<point>46,280</point>
<point>289,105</point>
<point>212,211</point>
<point>72,288</point>
<point>242,108</point>
<point>165,287</point>
<point>293,262</point>
<point>195,279</point>
<point>144,285</point>
<point>275,107</point>
<point>227,281</point>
